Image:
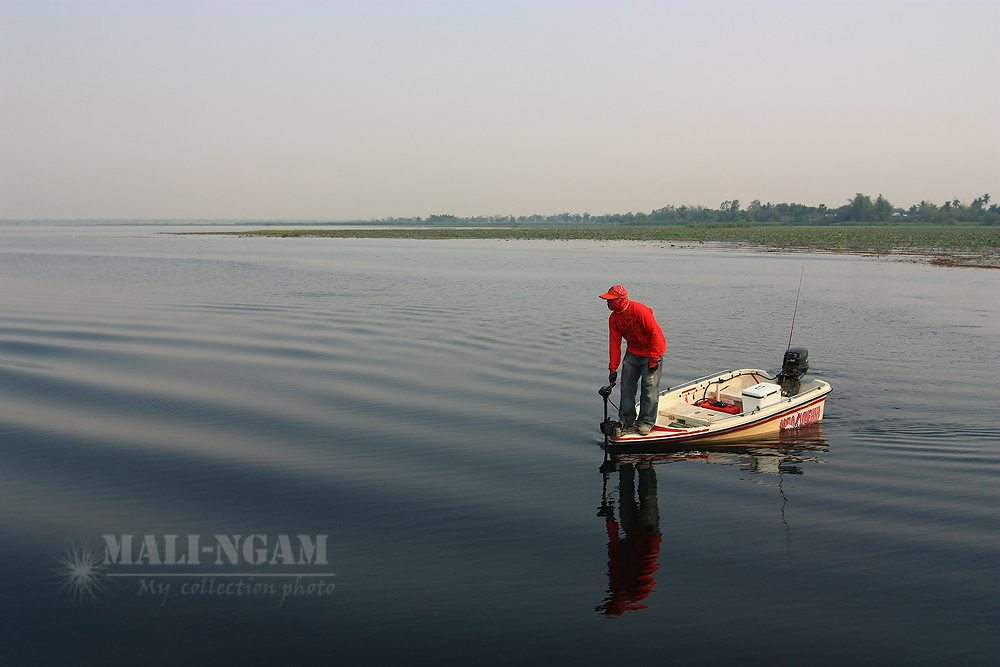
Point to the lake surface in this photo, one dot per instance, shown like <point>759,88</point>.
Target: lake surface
<point>405,433</point>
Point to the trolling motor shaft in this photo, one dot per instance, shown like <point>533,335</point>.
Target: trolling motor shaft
<point>608,426</point>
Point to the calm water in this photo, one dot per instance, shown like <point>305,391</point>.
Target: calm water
<point>431,408</point>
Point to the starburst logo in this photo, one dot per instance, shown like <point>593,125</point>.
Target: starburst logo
<point>233,565</point>
<point>82,571</point>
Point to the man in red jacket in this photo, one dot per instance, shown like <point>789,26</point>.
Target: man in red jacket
<point>645,346</point>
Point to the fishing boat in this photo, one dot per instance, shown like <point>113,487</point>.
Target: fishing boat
<point>731,405</point>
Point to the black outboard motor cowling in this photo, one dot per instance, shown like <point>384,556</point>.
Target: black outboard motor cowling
<point>796,362</point>
<point>793,367</point>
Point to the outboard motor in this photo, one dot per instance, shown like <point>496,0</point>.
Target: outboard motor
<point>793,367</point>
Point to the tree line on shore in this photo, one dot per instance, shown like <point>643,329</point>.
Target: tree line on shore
<point>862,209</point>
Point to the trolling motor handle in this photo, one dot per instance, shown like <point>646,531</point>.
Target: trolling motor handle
<point>605,391</point>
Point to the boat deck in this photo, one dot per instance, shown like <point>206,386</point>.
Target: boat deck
<point>677,407</point>
<point>686,414</point>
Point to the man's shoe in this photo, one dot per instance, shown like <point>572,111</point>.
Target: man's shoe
<point>645,429</point>
<point>624,430</point>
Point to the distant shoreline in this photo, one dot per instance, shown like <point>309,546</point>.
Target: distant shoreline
<point>942,246</point>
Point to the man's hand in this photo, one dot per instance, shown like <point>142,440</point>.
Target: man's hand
<point>653,365</point>
<point>613,378</point>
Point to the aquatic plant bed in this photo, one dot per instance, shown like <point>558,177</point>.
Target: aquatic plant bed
<point>946,246</point>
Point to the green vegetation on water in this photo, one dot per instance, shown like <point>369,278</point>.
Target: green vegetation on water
<point>951,246</point>
<point>954,234</point>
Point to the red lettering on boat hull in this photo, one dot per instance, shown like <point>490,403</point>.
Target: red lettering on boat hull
<point>810,416</point>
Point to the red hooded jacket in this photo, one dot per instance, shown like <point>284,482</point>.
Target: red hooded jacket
<point>643,336</point>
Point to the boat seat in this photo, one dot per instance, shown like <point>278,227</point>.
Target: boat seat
<point>691,415</point>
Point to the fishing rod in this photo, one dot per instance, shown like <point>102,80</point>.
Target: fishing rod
<point>795,363</point>
<point>796,310</point>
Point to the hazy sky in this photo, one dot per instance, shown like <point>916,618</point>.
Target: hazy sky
<point>359,110</point>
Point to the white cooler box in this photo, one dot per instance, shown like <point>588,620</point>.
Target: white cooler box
<point>760,396</point>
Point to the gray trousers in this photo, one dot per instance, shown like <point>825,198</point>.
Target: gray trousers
<point>635,371</point>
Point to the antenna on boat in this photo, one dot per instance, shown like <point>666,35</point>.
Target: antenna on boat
<point>796,310</point>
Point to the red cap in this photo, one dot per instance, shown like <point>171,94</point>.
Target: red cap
<point>616,292</point>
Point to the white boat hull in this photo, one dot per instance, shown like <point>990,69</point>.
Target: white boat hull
<point>684,413</point>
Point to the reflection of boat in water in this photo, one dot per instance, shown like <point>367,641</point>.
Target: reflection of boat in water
<point>734,405</point>
<point>777,452</point>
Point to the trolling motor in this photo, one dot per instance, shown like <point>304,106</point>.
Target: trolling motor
<point>793,367</point>
<point>608,427</point>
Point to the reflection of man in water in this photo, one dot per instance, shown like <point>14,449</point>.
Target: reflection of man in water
<point>632,559</point>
